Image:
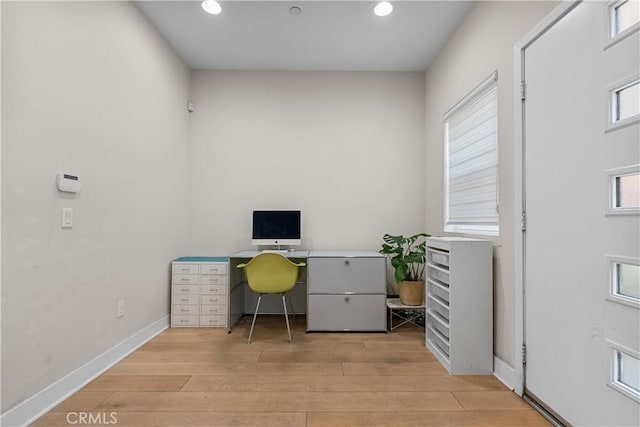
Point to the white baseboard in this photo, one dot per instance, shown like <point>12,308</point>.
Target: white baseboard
<point>504,373</point>
<point>40,403</point>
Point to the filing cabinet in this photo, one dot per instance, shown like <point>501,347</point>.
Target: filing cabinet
<point>199,292</point>
<point>346,291</point>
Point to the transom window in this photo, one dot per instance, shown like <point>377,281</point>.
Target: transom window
<point>471,161</point>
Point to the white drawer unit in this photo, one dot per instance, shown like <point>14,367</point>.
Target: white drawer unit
<point>346,291</point>
<point>199,292</point>
<point>459,300</point>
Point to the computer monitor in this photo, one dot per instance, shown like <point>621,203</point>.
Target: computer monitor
<point>276,228</point>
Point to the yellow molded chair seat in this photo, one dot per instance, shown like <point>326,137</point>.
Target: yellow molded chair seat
<point>271,273</point>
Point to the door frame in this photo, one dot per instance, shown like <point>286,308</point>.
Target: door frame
<point>519,203</point>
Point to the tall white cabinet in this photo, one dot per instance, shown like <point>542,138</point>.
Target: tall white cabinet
<point>459,304</point>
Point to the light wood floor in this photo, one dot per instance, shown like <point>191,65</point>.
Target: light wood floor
<point>206,377</point>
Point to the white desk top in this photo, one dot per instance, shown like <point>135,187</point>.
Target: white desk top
<point>348,254</point>
<point>290,254</point>
<point>313,254</point>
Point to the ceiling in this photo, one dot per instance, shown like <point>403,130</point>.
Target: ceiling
<point>326,36</point>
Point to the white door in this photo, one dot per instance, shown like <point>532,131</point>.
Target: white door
<point>580,151</point>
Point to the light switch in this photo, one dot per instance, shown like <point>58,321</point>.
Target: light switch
<point>67,217</point>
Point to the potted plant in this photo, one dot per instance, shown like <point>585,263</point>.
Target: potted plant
<point>408,256</point>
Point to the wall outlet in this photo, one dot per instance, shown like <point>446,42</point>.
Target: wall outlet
<point>120,309</point>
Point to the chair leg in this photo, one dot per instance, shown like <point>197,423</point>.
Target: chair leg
<point>254,318</point>
<point>286,316</point>
<point>293,314</point>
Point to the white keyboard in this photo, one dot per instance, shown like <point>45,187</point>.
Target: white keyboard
<point>275,251</point>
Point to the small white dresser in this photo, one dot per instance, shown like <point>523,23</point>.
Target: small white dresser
<point>199,292</point>
<point>459,300</point>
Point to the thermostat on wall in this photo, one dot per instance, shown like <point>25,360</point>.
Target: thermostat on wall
<point>68,183</point>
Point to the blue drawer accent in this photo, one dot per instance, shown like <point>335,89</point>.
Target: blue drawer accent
<point>202,259</point>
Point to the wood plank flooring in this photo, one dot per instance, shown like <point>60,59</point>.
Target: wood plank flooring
<point>206,377</point>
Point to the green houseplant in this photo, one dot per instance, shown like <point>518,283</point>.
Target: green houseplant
<point>408,257</point>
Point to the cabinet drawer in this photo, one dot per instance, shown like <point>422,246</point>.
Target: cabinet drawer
<point>346,275</point>
<point>214,320</point>
<point>179,309</point>
<point>438,290</point>
<point>440,274</point>
<point>213,299</point>
<point>185,279</point>
<point>184,320</point>
<point>439,325</point>
<point>185,289</point>
<point>185,299</point>
<point>438,340</point>
<point>213,268</point>
<point>438,306</point>
<point>178,268</point>
<point>213,309</point>
<point>438,257</point>
<point>347,313</point>
<point>213,289</point>
<point>213,279</point>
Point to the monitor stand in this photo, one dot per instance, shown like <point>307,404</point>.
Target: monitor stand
<point>275,251</point>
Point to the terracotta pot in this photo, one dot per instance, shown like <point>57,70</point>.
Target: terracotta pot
<point>411,293</point>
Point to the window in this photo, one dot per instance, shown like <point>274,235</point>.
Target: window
<point>624,190</point>
<point>625,371</point>
<point>624,14</point>
<point>626,102</point>
<point>627,191</point>
<point>471,161</point>
<point>624,280</point>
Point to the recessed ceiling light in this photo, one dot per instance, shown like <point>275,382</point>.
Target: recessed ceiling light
<point>295,10</point>
<point>383,8</point>
<point>212,7</point>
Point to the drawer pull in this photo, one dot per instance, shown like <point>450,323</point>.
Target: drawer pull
<point>185,279</point>
<point>346,262</point>
<point>185,289</point>
<point>347,299</point>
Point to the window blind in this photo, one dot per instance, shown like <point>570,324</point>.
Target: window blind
<point>471,142</point>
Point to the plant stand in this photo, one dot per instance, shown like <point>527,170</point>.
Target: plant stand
<point>397,311</point>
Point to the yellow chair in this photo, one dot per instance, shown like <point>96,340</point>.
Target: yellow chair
<point>271,273</point>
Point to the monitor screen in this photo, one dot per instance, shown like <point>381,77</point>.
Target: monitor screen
<point>276,228</point>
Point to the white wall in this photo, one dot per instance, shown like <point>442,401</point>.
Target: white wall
<point>483,43</point>
<point>88,88</point>
<point>346,148</point>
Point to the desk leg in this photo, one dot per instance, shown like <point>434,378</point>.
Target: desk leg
<point>235,303</point>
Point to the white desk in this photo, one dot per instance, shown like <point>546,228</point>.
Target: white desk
<point>288,254</point>
<point>346,292</point>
